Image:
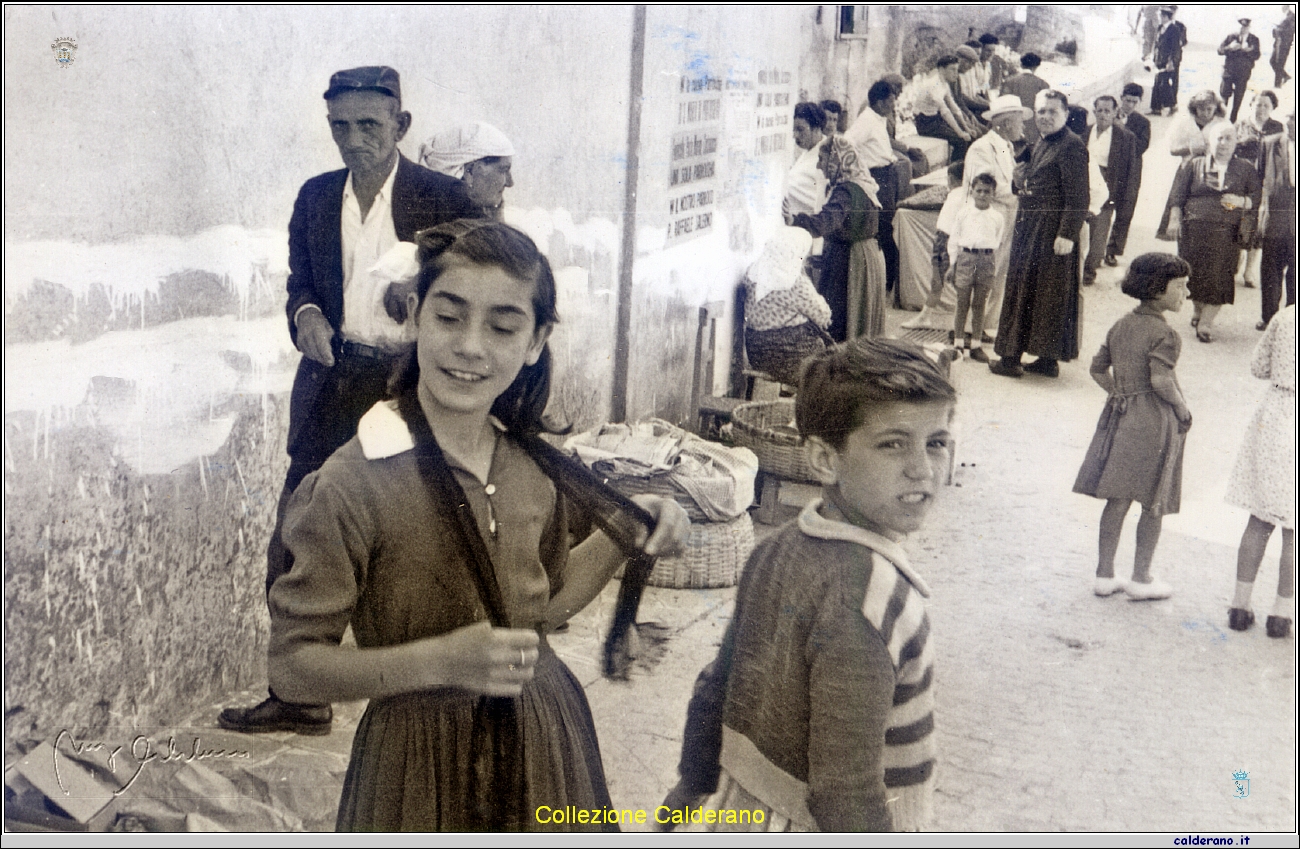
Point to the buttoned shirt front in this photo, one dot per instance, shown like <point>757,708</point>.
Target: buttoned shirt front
<point>364,241</point>
<point>1098,158</point>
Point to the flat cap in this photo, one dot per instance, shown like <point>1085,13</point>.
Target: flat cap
<point>966,52</point>
<point>380,78</point>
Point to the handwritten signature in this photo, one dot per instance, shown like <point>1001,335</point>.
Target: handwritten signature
<point>142,751</point>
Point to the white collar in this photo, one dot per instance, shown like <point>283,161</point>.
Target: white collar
<point>383,433</point>
<point>816,525</point>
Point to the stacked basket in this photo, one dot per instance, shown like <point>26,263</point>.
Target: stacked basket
<point>767,428</point>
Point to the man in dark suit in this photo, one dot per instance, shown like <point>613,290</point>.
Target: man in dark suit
<point>342,223</point>
<point>1170,41</point>
<point>1113,151</point>
<point>1277,167</point>
<point>1240,52</point>
<point>1136,123</point>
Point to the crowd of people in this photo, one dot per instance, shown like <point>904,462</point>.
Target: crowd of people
<point>421,510</point>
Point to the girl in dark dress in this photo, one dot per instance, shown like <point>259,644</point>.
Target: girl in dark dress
<point>435,534</point>
<point>1137,451</point>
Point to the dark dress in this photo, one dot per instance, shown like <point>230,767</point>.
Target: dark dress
<point>1040,309</point>
<point>847,222</point>
<point>1137,452</point>
<point>370,550</point>
<point>1208,239</point>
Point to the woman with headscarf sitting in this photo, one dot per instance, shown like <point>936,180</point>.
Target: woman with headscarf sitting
<point>479,155</point>
<point>785,317</point>
<point>853,268</point>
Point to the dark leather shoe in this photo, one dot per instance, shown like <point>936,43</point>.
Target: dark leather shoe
<point>1047,368</point>
<point>1111,260</point>
<point>978,355</point>
<point>276,715</point>
<point>1277,626</point>
<point>1261,325</point>
<point>1007,368</point>
<point>1239,619</point>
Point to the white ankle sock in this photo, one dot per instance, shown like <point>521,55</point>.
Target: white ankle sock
<point>1284,607</point>
<point>1241,597</point>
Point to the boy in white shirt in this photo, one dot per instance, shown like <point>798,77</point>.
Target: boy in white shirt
<point>975,235</point>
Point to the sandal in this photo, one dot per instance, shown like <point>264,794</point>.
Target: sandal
<point>1203,336</point>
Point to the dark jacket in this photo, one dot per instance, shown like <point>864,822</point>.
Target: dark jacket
<point>1121,161</point>
<point>1140,127</point>
<point>421,198</point>
<point>1239,63</point>
<point>1169,45</point>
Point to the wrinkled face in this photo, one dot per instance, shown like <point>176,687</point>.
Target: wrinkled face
<point>1263,109</point>
<point>891,468</point>
<point>476,330</point>
<point>1049,115</point>
<point>1128,103</point>
<point>804,135</point>
<point>1010,127</point>
<point>1224,144</point>
<point>486,181</point>
<point>1104,111</point>
<point>366,126</point>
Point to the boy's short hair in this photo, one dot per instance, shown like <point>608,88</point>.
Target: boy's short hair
<point>989,38</point>
<point>879,92</point>
<point>1133,90</point>
<point>840,386</point>
<point>1030,61</point>
<point>985,178</point>
<point>957,170</point>
<point>811,113</point>
<point>1149,275</point>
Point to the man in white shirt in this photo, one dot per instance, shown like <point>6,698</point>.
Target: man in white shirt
<point>994,153</point>
<point>342,223</point>
<point>1112,157</point>
<point>869,136</point>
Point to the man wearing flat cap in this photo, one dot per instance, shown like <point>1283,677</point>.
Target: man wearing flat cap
<point>1240,52</point>
<point>342,223</point>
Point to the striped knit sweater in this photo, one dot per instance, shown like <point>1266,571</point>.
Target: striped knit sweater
<point>820,701</point>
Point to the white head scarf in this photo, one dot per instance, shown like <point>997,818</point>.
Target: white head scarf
<point>449,151</point>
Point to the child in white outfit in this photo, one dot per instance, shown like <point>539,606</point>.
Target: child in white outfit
<point>975,235</point>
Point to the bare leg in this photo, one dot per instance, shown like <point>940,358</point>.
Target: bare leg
<point>1208,313</point>
<point>1251,551</point>
<point>1148,534</point>
<point>1112,522</point>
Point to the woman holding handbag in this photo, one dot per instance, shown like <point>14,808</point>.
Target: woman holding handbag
<point>1212,210</point>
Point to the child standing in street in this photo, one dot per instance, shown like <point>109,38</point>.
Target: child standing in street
<point>1137,452</point>
<point>976,233</point>
<point>817,713</point>
<point>1263,481</point>
<point>940,259</point>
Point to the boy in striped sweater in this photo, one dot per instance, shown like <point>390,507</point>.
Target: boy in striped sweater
<point>818,710</point>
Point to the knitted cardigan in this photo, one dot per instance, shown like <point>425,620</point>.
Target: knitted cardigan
<point>819,702</point>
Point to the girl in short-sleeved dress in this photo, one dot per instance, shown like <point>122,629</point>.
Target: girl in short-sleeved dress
<point>1137,451</point>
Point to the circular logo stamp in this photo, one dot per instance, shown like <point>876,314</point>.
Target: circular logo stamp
<point>65,50</point>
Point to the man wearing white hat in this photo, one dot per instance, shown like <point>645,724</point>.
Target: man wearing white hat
<point>994,153</point>
<point>1240,52</point>
<point>479,155</point>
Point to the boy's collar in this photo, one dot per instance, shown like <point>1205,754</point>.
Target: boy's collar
<point>814,524</point>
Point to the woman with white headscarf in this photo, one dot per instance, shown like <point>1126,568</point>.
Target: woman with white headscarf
<point>479,155</point>
<point>853,268</point>
<point>1212,208</point>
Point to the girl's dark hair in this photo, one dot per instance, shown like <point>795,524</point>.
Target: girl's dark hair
<point>521,407</point>
<point>1149,275</point>
<point>811,113</point>
<point>840,386</point>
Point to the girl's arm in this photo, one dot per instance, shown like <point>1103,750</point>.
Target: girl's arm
<point>1162,360</point>
<point>595,560</point>
<point>1100,369</point>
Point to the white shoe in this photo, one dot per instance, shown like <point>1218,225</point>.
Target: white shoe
<point>1108,586</point>
<point>1153,591</point>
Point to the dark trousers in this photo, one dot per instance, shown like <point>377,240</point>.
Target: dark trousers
<point>345,393</point>
<point>935,127</point>
<point>1098,233</point>
<point>1234,87</point>
<point>1276,265</point>
<point>1164,92</point>
<point>1124,216</point>
<point>887,178</point>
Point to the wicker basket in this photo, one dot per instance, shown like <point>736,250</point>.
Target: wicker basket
<point>661,485</point>
<point>781,352</point>
<point>765,428</point>
<point>714,556</point>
